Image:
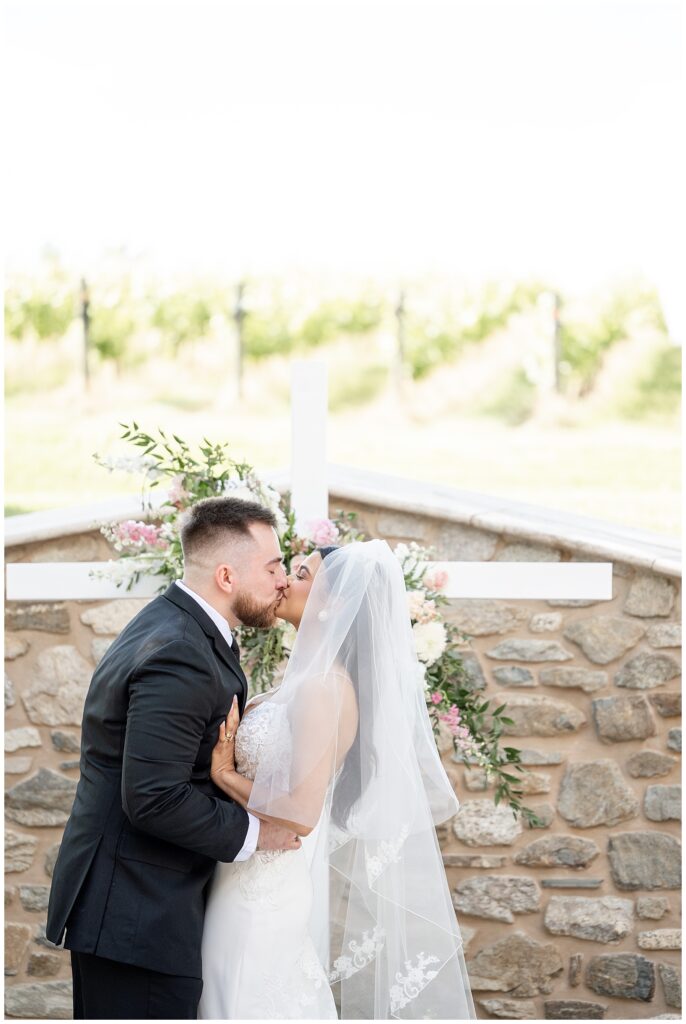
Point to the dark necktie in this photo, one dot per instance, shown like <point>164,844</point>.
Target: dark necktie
<point>236,649</point>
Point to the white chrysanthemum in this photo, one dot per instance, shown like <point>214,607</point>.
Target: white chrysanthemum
<point>401,552</point>
<point>430,640</point>
<point>415,602</point>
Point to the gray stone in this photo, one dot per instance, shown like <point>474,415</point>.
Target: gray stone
<point>535,715</point>
<point>474,860</point>
<point>44,965</point>
<point>44,799</point>
<point>603,919</point>
<point>545,814</point>
<point>510,1009</point>
<point>513,675</point>
<point>646,671</point>
<point>674,740</point>
<point>533,783</point>
<point>45,618</point>
<point>475,679</point>
<point>66,742</point>
<point>594,793</point>
<point>20,850</point>
<point>647,763</point>
<point>516,964</point>
<point>571,883</point>
<point>34,897</point>
<point>664,634</point>
<point>481,823</point>
<point>17,938</point>
<point>41,940</point>
<point>575,962</point>
<point>573,1009</point>
<point>570,602</point>
<point>667,704</point>
<point>100,645</point>
<point>662,803</point>
<point>68,766</point>
<point>652,907</point>
<point>78,548</point>
<point>540,757</point>
<point>670,977</point>
<point>403,525</point>
<point>10,697</point>
<point>558,851</point>
<point>457,543</point>
<point>545,622</point>
<point>18,739</point>
<point>518,552</point>
<point>660,938</point>
<point>50,858</point>
<point>18,765</point>
<point>478,617</point>
<point>586,679</point>
<point>15,647</point>
<point>626,975</point>
<point>497,897</point>
<point>650,596</point>
<point>476,780</point>
<point>109,619</point>
<point>604,638</point>
<point>39,1000</point>
<point>516,649</point>
<point>59,689</point>
<point>645,860</point>
<point>623,718</point>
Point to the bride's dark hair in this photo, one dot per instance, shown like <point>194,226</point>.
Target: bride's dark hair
<point>349,786</point>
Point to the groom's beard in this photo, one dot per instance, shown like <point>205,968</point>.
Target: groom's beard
<point>250,613</point>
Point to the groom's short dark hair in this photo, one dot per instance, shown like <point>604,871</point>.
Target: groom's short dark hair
<point>212,521</point>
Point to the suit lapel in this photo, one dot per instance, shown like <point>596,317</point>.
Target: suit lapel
<point>220,647</point>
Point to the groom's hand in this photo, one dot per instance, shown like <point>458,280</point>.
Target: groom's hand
<point>275,837</point>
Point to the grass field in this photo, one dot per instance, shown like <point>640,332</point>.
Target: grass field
<point>616,470</point>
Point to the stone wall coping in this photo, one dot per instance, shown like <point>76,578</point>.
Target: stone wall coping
<point>537,524</point>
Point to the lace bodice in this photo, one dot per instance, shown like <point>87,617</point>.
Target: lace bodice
<point>262,723</point>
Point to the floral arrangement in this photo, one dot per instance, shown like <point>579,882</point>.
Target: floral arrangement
<point>460,718</point>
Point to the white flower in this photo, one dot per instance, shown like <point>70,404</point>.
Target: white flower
<point>237,489</point>
<point>401,552</point>
<point>415,602</point>
<point>430,640</point>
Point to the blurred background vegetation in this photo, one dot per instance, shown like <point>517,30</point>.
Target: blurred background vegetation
<point>508,387</point>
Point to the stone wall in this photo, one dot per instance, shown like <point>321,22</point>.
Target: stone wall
<point>579,918</point>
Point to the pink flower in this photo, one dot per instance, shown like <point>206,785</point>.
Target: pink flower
<point>139,535</point>
<point>436,697</point>
<point>322,532</point>
<point>177,493</point>
<point>435,579</point>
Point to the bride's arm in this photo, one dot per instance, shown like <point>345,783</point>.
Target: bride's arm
<point>310,793</point>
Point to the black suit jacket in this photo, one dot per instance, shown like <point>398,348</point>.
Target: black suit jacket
<point>148,826</point>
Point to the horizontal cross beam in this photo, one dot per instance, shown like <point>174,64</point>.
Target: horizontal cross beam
<point>61,581</point>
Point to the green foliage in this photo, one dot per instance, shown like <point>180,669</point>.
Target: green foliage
<point>182,317</point>
<point>514,401</point>
<point>658,389</point>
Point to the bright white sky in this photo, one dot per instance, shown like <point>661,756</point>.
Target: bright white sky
<point>379,137</point>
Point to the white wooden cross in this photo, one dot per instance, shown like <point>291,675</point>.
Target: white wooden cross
<point>55,581</point>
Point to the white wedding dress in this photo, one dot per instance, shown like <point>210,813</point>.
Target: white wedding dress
<point>257,955</point>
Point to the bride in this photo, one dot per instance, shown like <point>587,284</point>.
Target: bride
<point>342,752</point>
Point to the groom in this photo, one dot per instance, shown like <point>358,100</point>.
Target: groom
<point>148,826</point>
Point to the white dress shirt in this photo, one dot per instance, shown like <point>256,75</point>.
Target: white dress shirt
<point>250,844</point>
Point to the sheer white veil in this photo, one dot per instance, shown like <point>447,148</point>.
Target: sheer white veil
<point>353,754</point>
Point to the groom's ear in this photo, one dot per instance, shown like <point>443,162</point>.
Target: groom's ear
<point>225,577</point>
